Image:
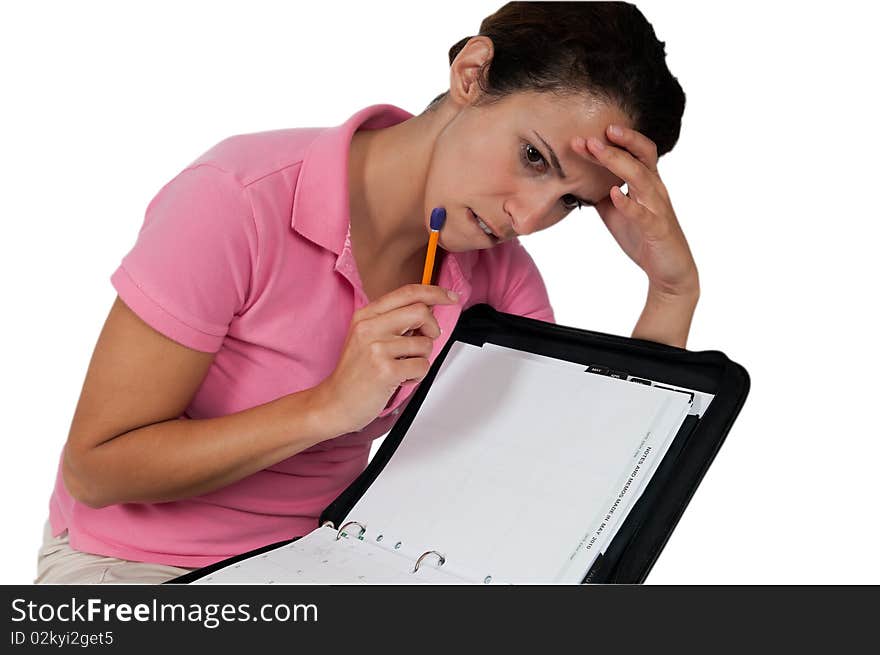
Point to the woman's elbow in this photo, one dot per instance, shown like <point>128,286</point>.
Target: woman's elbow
<point>82,487</point>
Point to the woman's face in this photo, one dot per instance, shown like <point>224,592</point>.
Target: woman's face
<point>496,161</point>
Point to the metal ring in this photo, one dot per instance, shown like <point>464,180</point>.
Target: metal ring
<point>424,555</point>
<point>361,534</point>
<point>326,523</point>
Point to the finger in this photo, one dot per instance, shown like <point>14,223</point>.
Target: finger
<point>631,209</point>
<point>407,319</point>
<point>428,294</point>
<point>415,346</point>
<point>640,146</point>
<point>412,331</point>
<point>620,162</point>
<point>411,368</point>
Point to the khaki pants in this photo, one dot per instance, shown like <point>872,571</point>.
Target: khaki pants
<point>58,563</point>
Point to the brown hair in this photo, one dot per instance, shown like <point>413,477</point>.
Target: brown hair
<point>606,49</point>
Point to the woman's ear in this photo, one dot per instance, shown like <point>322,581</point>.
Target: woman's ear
<point>469,65</point>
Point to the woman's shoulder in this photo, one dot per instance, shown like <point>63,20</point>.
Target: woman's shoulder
<point>254,155</point>
<point>502,267</point>
<point>509,280</point>
<point>510,255</point>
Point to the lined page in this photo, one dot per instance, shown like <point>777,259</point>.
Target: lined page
<point>510,461</point>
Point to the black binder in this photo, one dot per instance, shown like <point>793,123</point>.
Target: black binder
<point>640,538</point>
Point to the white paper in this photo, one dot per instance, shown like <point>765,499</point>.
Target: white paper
<point>534,357</point>
<point>509,467</point>
<point>701,398</point>
<point>509,460</point>
<point>626,491</point>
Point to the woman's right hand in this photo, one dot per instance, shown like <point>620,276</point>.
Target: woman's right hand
<point>381,353</point>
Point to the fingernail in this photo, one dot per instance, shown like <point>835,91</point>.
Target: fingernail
<point>616,131</point>
<point>597,144</point>
<point>452,295</point>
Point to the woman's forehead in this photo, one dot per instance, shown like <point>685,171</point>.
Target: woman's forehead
<point>572,112</point>
<point>559,119</point>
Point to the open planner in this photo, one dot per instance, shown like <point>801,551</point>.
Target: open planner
<point>532,453</point>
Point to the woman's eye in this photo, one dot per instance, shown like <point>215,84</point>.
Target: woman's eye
<point>571,202</point>
<point>533,156</point>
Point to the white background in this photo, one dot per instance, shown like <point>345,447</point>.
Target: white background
<point>773,180</point>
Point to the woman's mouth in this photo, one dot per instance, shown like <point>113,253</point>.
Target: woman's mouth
<point>483,227</point>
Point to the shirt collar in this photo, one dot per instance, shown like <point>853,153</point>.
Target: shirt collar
<point>320,205</point>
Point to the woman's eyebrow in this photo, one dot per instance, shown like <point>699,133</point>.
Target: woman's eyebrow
<point>554,163</point>
<point>554,160</point>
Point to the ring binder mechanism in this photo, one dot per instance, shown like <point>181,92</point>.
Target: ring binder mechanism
<point>442,559</point>
<point>341,532</point>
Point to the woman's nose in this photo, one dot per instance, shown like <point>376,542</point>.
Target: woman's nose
<point>530,214</point>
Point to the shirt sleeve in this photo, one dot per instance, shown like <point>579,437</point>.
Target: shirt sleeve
<point>523,291</point>
<point>189,272</point>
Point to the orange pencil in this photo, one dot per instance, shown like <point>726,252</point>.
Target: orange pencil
<point>438,217</point>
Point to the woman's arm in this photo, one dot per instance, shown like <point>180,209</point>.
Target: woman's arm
<point>666,317</point>
<point>645,226</point>
<point>126,443</point>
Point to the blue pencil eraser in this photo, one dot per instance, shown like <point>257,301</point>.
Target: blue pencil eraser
<point>438,217</point>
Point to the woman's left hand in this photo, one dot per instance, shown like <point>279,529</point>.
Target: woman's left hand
<point>643,222</point>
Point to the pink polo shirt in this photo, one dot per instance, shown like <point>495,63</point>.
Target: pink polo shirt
<point>246,254</point>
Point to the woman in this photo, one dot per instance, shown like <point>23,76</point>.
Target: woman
<point>268,324</point>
